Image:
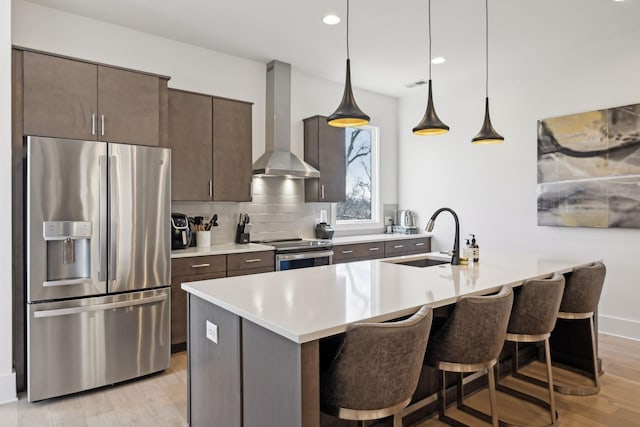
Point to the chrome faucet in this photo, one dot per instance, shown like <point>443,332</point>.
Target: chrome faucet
<point>455,256</point>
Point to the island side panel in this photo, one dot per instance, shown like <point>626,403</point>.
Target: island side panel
<point>281,380</point>
<point>214,370</point>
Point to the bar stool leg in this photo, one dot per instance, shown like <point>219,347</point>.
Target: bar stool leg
<point>585,391</point>
<point>443,396</point>
<point>552,398</point>
<point>596,371</point>
<point>492,396</point>
<point>397,420</point>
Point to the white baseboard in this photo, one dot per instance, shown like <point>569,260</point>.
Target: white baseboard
<point>623,328</point>
<point>8,388</point>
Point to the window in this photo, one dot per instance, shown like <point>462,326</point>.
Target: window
<point>362,202</point>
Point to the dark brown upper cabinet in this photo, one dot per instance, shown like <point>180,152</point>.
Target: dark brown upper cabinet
<point>68,98</point>
<point>324,149</point>
<point>211,142</point>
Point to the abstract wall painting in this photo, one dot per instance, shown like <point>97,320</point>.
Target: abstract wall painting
<point>589,169</point>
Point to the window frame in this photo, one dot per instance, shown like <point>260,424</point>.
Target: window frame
<point>376,198</point>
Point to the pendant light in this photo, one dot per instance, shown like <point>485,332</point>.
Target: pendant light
<point>430,123</point>
<point>348,113</point>
<point>487,134</point>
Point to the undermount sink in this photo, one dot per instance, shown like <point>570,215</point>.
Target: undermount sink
<point>420,262</point>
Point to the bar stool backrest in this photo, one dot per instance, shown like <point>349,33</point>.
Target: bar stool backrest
<point>536,305</point>
<point>378,364</point>
<point>475,332</point>
<point>583,288</point>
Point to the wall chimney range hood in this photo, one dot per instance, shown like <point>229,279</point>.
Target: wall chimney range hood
<point>278,160</point>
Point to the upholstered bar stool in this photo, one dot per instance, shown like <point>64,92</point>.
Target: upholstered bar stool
<point>470,341</point>
<point>580,301</point>
<point>533,316</point>
<point>376,369</point>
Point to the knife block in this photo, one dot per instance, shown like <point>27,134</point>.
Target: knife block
<point>241,236</point>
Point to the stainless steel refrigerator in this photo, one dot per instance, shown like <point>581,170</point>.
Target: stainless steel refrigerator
<point>97,263</point>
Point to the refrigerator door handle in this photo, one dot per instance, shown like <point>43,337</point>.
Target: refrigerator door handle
<point>69,282</point>
<point>102,225</point>
<point>98,307</point>
<point>114,193</point>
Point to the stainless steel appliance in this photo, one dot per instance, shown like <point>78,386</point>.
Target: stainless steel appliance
<point>301,253</point>
<point>406,221</point>
<point>97,262</point>
<point>180,231</point>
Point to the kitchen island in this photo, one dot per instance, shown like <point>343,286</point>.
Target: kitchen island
<point>255,341</point>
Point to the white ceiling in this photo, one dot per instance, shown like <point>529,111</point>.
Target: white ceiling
<point>388,39</point>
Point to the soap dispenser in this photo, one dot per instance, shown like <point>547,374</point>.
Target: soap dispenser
<point>475,249</point>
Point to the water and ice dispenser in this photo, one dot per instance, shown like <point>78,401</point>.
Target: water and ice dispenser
<point>68,250</point>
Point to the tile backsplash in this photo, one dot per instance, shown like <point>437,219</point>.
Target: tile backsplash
<point>278,211</point>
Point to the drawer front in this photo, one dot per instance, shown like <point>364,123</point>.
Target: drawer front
<point>250,260</point>
<point>407,246</point>
<point>373,250</point>
<point>248,271</point>
<point>346,253</point>
<point>198,265</point>
<point>417,246</point>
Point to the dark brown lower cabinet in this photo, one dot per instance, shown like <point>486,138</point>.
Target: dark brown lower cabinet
<point>381,249</point>
<point>189,270</point>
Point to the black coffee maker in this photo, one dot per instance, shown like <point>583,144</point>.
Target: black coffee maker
<point>180,231</point>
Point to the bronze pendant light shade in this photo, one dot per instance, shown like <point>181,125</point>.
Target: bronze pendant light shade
<point>348,113</point>
<point>487,134</point>
<point>430,124</point>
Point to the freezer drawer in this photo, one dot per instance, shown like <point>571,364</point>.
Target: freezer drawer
<point>86,343</point>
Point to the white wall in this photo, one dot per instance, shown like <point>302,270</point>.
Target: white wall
<point>7,377</point>
<point>493,188</point>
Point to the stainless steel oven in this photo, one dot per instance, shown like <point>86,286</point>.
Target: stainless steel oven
<point>301,253</point>
<point>289,261</point>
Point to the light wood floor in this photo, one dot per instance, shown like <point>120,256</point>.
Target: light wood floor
<point>160,400</point>
<point>617,404</point>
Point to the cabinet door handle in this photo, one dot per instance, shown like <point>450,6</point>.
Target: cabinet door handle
<point>322,191</point>
<point>200,265</point>
<point>102,124</point>
<point>210,188</point>
<point>374,249</point>
<point>398,246</point>
<point>253,260</point>
<point>420,244</point>
<point>93,124</point>
<point>347,252</point>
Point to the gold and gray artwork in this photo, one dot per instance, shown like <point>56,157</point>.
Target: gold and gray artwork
<point>589,169</point>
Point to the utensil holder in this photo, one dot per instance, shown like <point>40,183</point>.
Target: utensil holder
<point>203,239</point>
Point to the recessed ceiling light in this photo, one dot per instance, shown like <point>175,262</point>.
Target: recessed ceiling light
<point>331,19</point>
<point>438,60</point>
<point>618,0</point>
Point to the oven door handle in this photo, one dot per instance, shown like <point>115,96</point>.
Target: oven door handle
<point>303,255</point>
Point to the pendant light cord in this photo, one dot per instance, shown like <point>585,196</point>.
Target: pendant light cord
<point>429,31</point>
<point>486,47</point>
<point>348,29</point>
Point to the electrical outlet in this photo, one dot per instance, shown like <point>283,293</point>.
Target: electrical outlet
<point>212,332</point>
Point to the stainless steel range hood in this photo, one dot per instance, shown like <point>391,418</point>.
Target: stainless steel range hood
<point>278,160</point>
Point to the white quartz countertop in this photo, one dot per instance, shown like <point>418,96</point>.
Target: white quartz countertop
<point>220,249</point>
<point>381,237</point>
<point>307,304</point>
